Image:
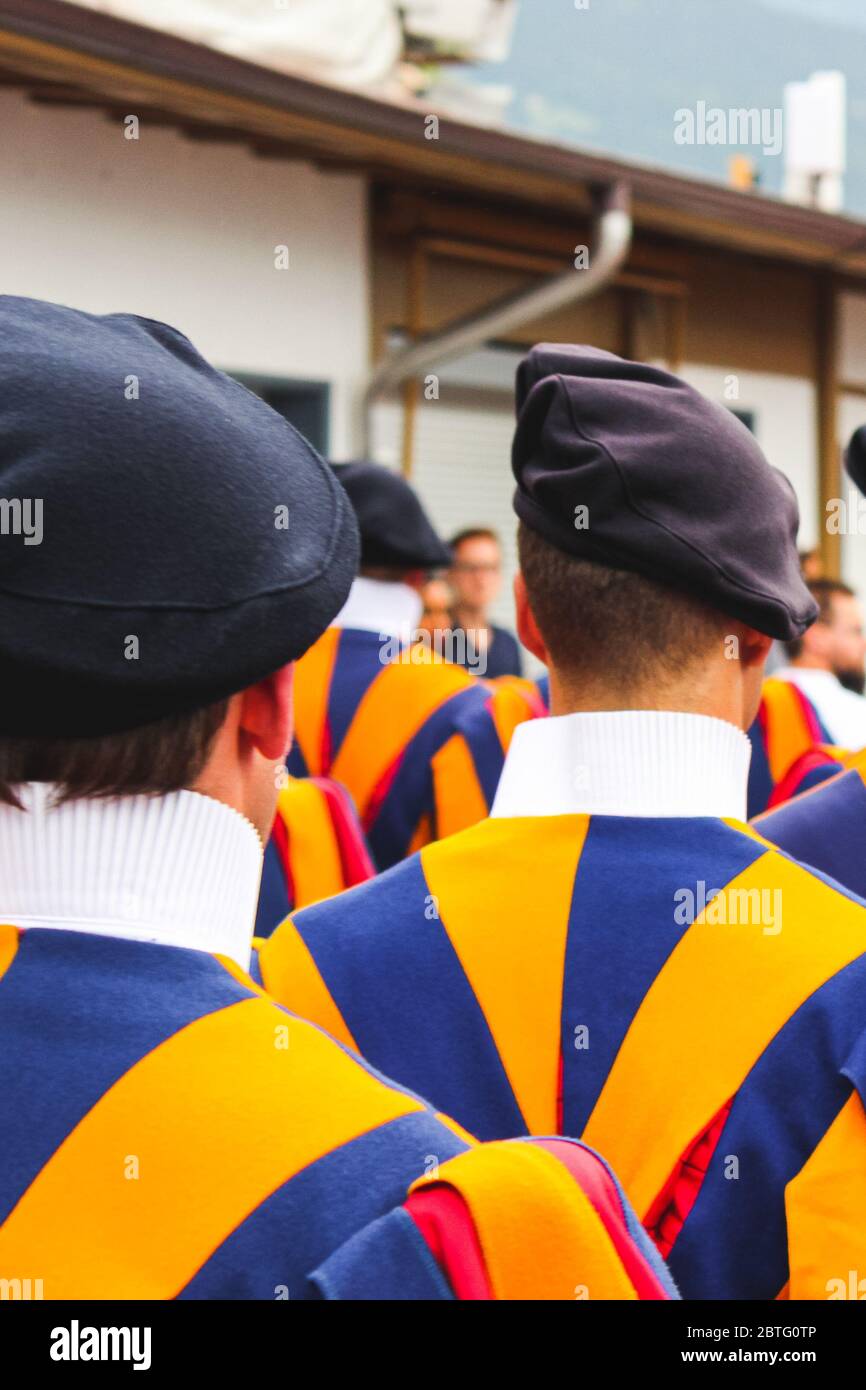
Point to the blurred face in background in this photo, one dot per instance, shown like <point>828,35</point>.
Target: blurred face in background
<point>812,564</point>
<point>438,600</point>
<point>839,644</point>
<point>476,575</point>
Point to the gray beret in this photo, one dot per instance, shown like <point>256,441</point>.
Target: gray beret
<point>190,542</point>
<point>396,532</point>
<point>674,487</point>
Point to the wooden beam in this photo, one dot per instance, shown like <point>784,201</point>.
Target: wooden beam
<point>827,383</point>
<point>412,387</point>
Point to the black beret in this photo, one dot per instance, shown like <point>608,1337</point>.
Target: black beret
<point>395,530</point>
<point>192,541</point>
<point>675,487</point>
<point>855,458</point>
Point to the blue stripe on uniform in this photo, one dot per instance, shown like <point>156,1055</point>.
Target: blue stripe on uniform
<point>274,902</point>
<point>622,928</point>
<point>380,943</point>
<point>299,1225</point>
<point>356,666</point>
<point>410,795</point>
<point>780,1114</point>
<point>478,728</point>
<point>825,830</point>
<point>76,1012</point>
<point>760,787</point>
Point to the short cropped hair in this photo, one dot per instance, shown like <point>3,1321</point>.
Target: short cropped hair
<point>166,756</point>
<point>611,624</point>
<point>474,533</point>
<point>823,592</point>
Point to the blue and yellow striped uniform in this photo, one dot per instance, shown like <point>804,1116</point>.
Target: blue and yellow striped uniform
<point>826,827</point>
<point>316,849</point>
<point>791,749</point>
<point>169,1132</point>
<point>543,974</point>
<point>418,742</point>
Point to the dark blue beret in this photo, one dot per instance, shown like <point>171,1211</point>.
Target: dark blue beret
<point>395,530</point>
<point>674,486</point>
<point>855,458</point>
<point>192,541</point>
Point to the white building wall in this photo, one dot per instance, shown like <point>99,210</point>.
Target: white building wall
<point>185,231</point>
<point>786,423</point>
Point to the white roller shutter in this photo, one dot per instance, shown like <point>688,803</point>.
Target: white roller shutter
<point>462,468</point>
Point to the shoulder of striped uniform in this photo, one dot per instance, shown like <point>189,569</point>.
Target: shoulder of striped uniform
<point>540,1219</point>
<point>261,1144</point>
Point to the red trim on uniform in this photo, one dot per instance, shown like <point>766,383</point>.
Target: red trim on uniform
<point>559,1089</point>
<point>380,791</point>
<point>326,750</point>
<point>594,1180</point>
<point>354,856</point>
<point>809,714</point>
<point>445,1222</point>
<point>668,1213</point>
<point>810,761</point>
<point>280,837</point>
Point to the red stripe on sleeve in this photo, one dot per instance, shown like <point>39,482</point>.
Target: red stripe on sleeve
<point>445,1222</point>
<point>596,1183</point>
<point>280,836</point>
<point>354,855</point>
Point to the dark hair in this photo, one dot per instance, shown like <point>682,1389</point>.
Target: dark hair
<point>390,574</point>
<point>823,592</point>
<point>611,622</point>
<point>156,758</point>
<point>474,533</point>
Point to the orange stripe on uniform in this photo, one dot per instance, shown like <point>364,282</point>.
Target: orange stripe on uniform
<point>459,798</point>
<point>509,931</point>
<point>218,1117</point>
<point>394,707</point>
<point>311,690</point>
<point>723,994</point>
<point>788,734</point>
<point>8,947</point>
<point>513,701</point>
<point>317,869</point>
<point>291,976</point>
<point>826,1210</point>
<point>539,1233</point>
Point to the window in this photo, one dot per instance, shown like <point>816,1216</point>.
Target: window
<point>305,404</point>
<point>746,417</point>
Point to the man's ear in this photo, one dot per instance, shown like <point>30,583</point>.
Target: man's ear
<point>754,646</point>
<point>527,627</point>
<point>267,714</point>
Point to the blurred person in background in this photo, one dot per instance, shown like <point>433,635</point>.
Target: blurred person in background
<point>476,578</point>
<point>828,663</point>
<point>812,567</point>
<point>438,601</point>
<point>812,564</point>
<point>827,827</point>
